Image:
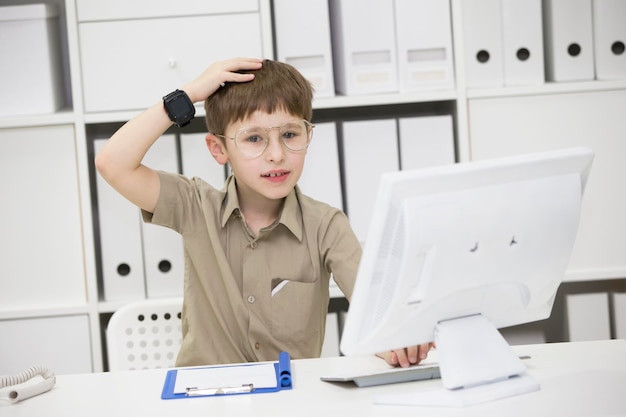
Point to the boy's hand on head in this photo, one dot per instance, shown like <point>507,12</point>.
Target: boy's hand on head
<point>221,72</point>
<point>406,357</point>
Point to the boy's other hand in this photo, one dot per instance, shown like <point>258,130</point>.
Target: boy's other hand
<point>406,357</point>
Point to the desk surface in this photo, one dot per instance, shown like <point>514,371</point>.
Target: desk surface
<point>577,379</point>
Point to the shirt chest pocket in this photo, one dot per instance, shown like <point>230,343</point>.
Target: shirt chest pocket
<point>297,312</point>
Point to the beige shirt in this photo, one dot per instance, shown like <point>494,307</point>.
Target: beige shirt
<point>246,297</point>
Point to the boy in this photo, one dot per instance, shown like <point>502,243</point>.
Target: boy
<point>258,253</point>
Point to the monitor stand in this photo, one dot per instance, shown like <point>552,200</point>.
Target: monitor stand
<point>477,365</point>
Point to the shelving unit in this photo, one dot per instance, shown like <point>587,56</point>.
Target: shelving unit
<point>474,132</point>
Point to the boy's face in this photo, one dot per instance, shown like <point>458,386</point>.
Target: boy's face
<point>274,173</point>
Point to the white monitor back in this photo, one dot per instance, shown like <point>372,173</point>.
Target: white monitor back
<point>490,238</point>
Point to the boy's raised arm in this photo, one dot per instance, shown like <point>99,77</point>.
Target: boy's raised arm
<point>119,161</point>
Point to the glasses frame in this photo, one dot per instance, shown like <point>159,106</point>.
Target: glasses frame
<point>309,129</point>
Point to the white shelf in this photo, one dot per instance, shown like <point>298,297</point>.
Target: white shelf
<point>105,307</point>
<point>112,306</point>
<point>384,99</point>
<point>34,311</point>
<point>110,117</point>
<point>62,117</point>
<point>335,102</point>
<point>547,88</point>
<point>68,117</point>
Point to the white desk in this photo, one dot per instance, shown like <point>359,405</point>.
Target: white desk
<point>577,379</point>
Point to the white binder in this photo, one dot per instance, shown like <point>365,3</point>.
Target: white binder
<point>618,301</point>
<point>330,348</point>
<point>426,141</point>
<point>364,46</point>
<point>321,178</point>
<point>162,247</point>
<point>482,30</point>
<point>120,242</point>
<point>522,39</point>
<point>197,161</point>
<point>568,40</point>
<point>370,148</point>
<point>588,316</point>
<point>424,42</point>
<point>609,37</point>
<point>302,35</point>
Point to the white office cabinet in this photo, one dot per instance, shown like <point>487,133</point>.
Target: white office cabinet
<point>568,38</point>
<point>426,141</point>
<point>609,39</point>
<point>116,56</point>
<point>95,10</point>
<point>364,47</point>
<point>522,42</point>
<point>482,34</point>
<point>123,275</point>
<point>197,161</point>
<point>588,317</point>
<point>370,148</point>
<point>42,257</point>
<point>163,247</point>
<point>131,64</point>
<point>424,44</point>
<point>29,41</point>
<point>515,125</point>
<point>303,40</point>
<point>321,178</point>
<point>59,343</point>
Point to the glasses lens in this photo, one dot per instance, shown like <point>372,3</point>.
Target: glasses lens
<point>295,135</point>
<point>251,142</point>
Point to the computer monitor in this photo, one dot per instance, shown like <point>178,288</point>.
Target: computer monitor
<point>455,252</point>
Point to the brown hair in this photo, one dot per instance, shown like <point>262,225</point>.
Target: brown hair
<point>276,86</point>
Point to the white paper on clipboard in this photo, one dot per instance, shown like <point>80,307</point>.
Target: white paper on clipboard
<point>259,375</point>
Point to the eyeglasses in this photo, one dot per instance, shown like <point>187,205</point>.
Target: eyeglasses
<point>252,141</point>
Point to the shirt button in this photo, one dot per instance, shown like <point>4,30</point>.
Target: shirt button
<point>257,346</point>
<point>253,245</point>
<point>251,299</point>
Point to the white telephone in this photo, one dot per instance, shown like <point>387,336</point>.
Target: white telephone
<point>34,381</point>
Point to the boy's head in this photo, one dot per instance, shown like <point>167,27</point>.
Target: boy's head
<point>276,86</point>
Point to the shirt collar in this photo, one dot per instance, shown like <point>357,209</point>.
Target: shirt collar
<point>290,217</point>
<point>231,202</point>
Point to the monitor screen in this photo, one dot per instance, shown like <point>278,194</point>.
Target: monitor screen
<point>490,238</point>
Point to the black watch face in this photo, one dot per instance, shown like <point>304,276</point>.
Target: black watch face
<point>180,106</point>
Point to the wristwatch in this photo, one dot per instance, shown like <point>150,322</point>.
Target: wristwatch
<point>179,107</point>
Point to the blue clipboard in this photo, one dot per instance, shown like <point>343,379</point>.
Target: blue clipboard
<point>282,371</point>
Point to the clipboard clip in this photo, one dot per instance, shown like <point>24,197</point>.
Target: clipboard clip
<point>195,391</point>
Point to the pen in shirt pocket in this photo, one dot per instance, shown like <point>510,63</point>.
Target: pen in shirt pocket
<point>277,285</point>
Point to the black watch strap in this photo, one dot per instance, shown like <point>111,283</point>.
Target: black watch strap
<point>179,108</point>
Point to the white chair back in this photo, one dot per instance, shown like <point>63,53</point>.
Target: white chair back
<point>145,335</point>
